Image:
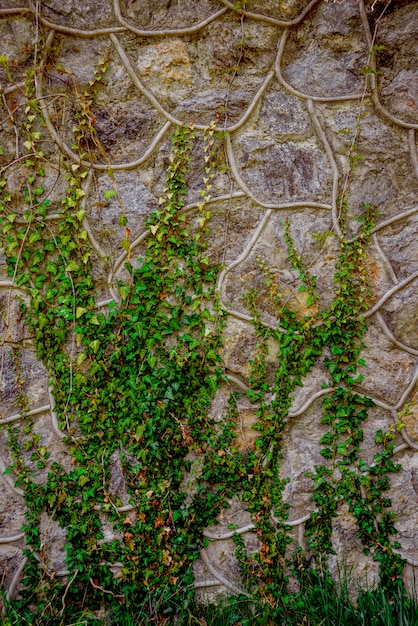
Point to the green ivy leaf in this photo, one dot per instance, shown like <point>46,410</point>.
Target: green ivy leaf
<point>109,193</point>
<point>124,291</point>
<point>72,267</point>
<point>95,345</point>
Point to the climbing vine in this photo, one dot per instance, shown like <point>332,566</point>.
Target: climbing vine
<point>133,382</point>
<point>336,331</point>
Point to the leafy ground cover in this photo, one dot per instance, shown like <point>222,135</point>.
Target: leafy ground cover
<point>319,603</point>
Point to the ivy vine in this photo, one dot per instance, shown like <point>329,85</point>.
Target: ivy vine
<point>133,383</point>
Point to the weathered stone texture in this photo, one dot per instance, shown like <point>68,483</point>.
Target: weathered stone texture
<point>289,158</point>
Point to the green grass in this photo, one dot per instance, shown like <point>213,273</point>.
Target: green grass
<point>322,603</point>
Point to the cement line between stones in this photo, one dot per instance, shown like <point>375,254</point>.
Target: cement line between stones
<point>66,572</point>
<point>407,559</point>
<point>16,579</point>
<point>373,75</point>
<point>299,94</point>
<point>226,196</point>
<point>120,509</point>
<point>305,518</point>
<point>381,404</point>
<point>95,244</point>
<point>51,408</point>
<point>408,440</point>
<point>301,520</point>
<point>241,258</point>
<point>265,205</point>
<point>63,29</point>
<point>77,32</point>
<point>54,419</point>
<point>388,333</point>
<point>304,407</point>
<point>8,284</point>
<point>60,573</point>
<point>63,146</point>
<point>47,218</point>
<point>248,318</point>
<point>296,522</point>
<point>250,108</point>
<point>400,448</point>
<point>385,113</point>
<point>138,84</point>
<point>206,583</point>
<point>123,256</point>
<point>97,507</point>
<point>15,11</point>
<point>301,536</point>
<point>334,168</point>
<point>102,303</point>
<point>6,540</point>
<point>9,480</point>
<point>237,382</point>
<point>116,167</point>
<point>115,294</point>
<point>389,294</point>
<point>223,580</point>
<point>11,89</point>
<point>167,31</point>
<point>237,314</point>
<point>387,264</point>
<point>394,219</point>
<point>18,416</point>
<point>72,155</point>
<point>413,149</point>
<point>220,579</point>
<point>238,531</point>
<point>311,400</point>
<point>85,223</point>
<point>272,20</point>
<point>25,343</point>
<point>117,564</point>
<point>154,101</point>
<point>247,250</point>
<point>407,391</point>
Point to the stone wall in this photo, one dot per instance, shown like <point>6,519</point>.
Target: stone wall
<point>308,115</point>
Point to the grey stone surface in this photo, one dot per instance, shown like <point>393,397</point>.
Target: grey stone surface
<point>396,61</point>
<point>388,370</point>
<point>288,150</point>
<point>283,114</point>
<point>301,440</point>
<point>17,36</point>
<point>83,14</point>
<point>134,197</point>
<point>289,172</point>
<point>397,242</point>
<point>324,57</point>
<point>156,14</point>
<point>34,381</point>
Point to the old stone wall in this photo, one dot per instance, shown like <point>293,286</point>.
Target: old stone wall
<point>315,111</point>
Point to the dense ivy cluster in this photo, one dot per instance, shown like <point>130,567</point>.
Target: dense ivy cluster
<point>139,386</point>
<point>336,332</point>
<point>133,383</point>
